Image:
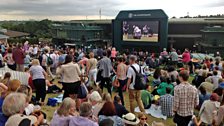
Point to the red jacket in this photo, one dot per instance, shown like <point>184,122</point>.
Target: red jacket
<point>18,56</point>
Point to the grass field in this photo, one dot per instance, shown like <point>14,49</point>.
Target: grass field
<point>154,38</point>
<point>50,110</point>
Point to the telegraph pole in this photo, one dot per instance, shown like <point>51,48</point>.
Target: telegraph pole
<point>100,13</point>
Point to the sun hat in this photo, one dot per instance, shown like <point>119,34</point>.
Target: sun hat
<point>130,119</point>
<point>21,120</point>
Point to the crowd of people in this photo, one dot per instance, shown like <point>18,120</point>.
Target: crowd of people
<point>147,79</point>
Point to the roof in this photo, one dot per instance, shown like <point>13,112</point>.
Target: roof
<point>170,21</point>
<point>3,36</point>
<point>214,29</point>
<point>142,14</point>
<point>13,34</point>
<point>107,21</point>
<point>184,35</point>
<point>196,20</point>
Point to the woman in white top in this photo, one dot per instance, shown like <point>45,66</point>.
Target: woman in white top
<point>70,73</point>
<point>91,68</point>
<point>38,75</point>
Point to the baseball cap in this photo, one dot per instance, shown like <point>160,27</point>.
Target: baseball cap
<point>21,120</point>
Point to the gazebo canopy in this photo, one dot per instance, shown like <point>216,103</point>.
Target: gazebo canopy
<point>3,36</point>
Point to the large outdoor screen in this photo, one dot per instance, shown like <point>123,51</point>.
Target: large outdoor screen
<point>141,31</point>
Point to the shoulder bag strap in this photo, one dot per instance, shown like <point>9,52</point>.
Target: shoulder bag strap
<point>134,69</point>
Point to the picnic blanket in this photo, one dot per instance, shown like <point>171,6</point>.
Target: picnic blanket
<point>22,76</point>
<point>154,111</point>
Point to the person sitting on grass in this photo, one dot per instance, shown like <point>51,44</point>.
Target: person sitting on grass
<point>6,78</point>
<point>166,103</point>
<point>106,122</point>
<point>156,77</point>
<point>14,104</point>
<point>64,113</point>
<point>143,120</point>
<point>96,101</point>
<point>130,120</point>
<point>109,112</point>
<point>161,89</point>
<point>146,97</point>
<point>3,88</point>
<point>207,109</point>
<point>218,116</point>
<point>25,89</point>
<point>52,88</point>
<point>12,87</point>
<point>86,117</point>
<point>120,109</point>
<point>203,96</point>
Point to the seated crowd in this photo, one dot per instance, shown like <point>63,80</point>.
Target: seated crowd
<point>85,103</point>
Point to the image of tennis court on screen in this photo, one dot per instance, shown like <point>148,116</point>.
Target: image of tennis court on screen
<point>141,31</point>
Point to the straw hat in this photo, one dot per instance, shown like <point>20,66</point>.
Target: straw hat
<point>130,119</point>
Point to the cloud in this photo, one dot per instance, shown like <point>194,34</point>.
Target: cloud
<point>75,9</point>
<point>58,7</point>
<point>216,3</point>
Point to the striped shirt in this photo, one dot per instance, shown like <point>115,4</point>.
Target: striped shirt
<point>185,99</point>
<point>106,66</point>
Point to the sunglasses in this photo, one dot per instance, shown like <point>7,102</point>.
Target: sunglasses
<point>143,118</point>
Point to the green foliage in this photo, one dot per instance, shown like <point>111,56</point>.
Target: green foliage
<point>39,29</point>
<point>33,40</point>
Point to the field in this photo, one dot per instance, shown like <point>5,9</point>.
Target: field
<point>154,38</point>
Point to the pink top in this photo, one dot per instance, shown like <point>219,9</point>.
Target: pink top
<point>83,61</point>
<point>186,57</point>
<point>113,53</point>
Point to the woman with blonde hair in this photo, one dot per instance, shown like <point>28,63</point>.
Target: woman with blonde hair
<point>64,113</point>
<point>91,68</point>
<point>38,75</point>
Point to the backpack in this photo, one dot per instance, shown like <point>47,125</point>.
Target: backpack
<point>52,102</point>
<point>140,82</point>
<point>49,60</point>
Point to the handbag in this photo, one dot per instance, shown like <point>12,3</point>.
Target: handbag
<point>115,82</point>
<point>175,118</point>
<point>99,75</point>
<point>82,91</point>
